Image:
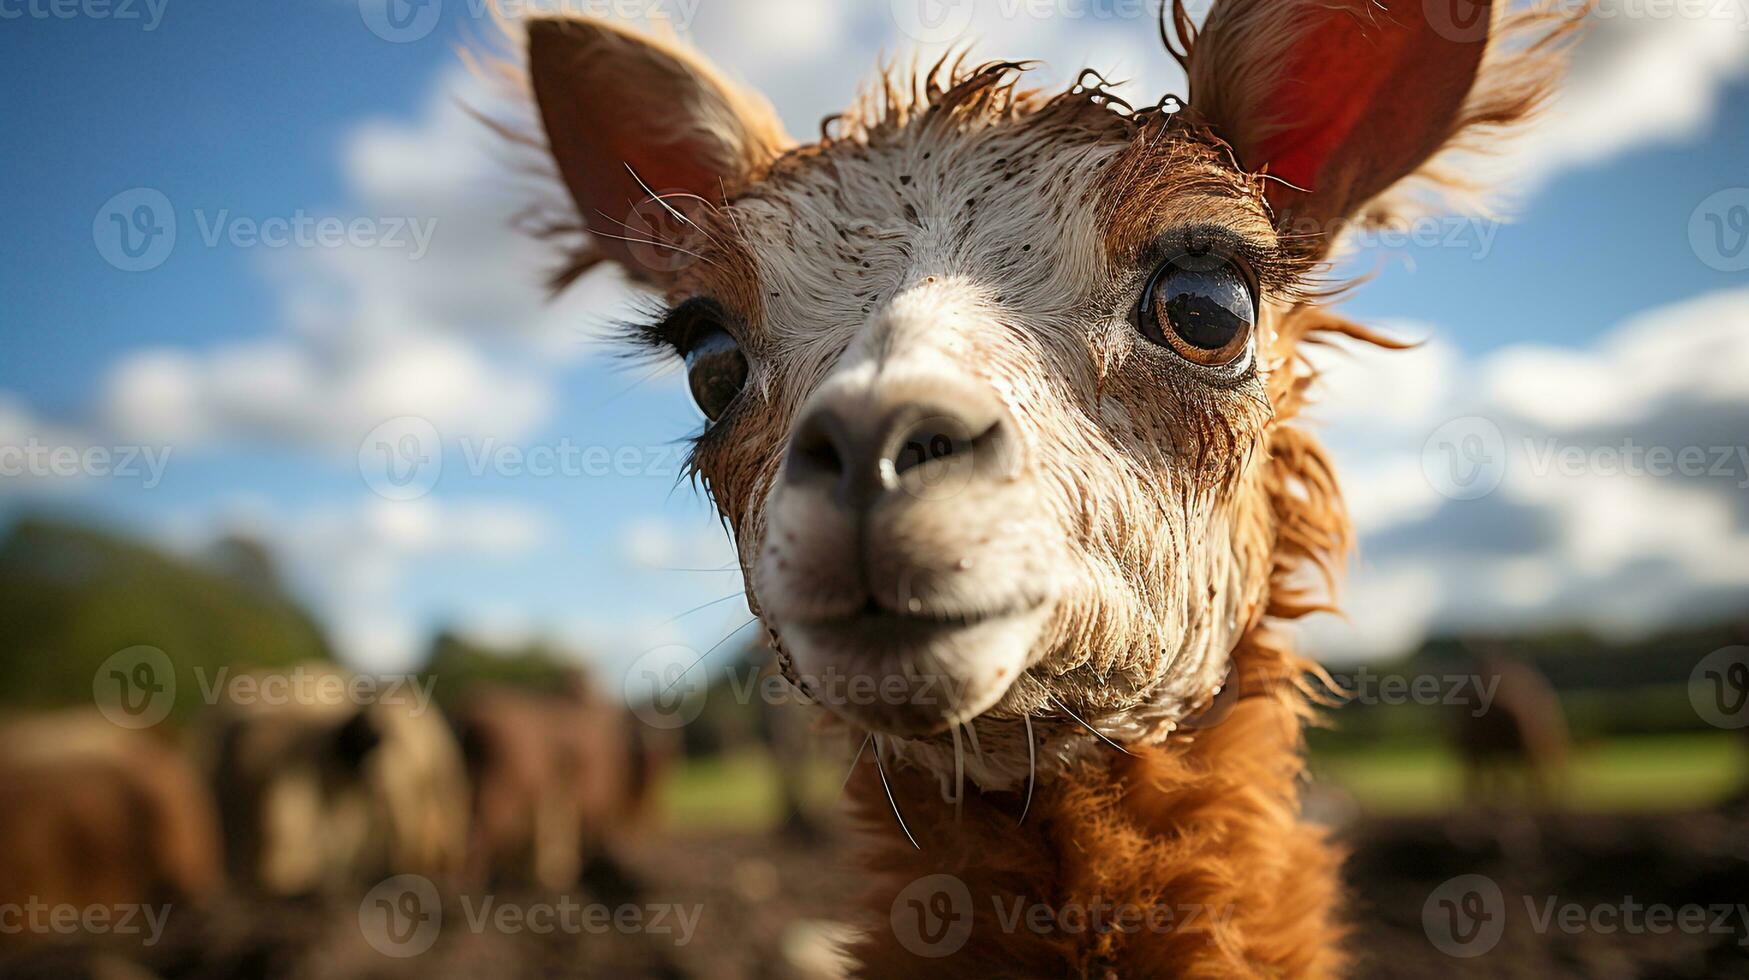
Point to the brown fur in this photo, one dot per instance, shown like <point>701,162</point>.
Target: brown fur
<point>96,815</point>
<point>1162,525</point>
<point>556,778</point>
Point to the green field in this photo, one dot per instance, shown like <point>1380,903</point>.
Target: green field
<point>1647,772</point>
<point>739,792</point>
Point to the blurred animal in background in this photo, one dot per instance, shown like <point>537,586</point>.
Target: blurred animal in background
<point>556,777</point>
<point>325,793</point>
<point>1518,735</point>
<point>92,814</point>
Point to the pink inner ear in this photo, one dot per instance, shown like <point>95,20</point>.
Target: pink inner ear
<point>1330,83</point>
<point>1362,100</point>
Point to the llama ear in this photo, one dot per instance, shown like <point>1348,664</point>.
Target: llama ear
<point>1338,98</point>
<point>615,104</point>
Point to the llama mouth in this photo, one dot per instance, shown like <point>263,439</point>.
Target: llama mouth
<point>876,616</point>
<point>914,673</point>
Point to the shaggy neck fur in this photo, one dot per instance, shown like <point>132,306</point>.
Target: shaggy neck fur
<point>1184,859</point>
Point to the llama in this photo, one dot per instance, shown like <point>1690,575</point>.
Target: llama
<point>1522,733</point>
<point>999,386</point>
<point>556,779</point>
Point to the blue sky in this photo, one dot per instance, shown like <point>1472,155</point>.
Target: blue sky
<point>262,367</point>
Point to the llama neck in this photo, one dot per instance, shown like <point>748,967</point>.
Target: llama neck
<point>1186,858</point>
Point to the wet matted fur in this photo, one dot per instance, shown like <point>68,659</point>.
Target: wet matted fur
<point>1154,525</point>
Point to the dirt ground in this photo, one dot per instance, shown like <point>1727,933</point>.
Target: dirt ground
<point>763,905</point>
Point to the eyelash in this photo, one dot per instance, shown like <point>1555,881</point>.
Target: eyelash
<point>1262,264</point>
<point>671,331</point>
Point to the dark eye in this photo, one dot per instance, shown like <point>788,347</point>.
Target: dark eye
<point>716,370</point>
<point>1200,306</point>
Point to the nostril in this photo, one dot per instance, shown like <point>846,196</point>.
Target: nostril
<point>935,439</point>
<point>815,451</point>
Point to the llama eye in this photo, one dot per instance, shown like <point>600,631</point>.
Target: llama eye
<point>1200,306</point>
<point>716,370</point>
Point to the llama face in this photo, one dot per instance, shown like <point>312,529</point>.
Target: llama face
<point>974,456</point>
<point>996,380</point>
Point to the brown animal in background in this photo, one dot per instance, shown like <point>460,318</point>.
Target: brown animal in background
<point>92,814</point>
<point>556,777</point>
<point>1521,731</point>
<point>319,792</point>
<point>1000,388</point>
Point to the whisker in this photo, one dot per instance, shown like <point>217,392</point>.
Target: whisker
<point>654,244</point>
<point>882,769</point>
<point>654,196</point>
<point>959,774</point>
<point>1102,736</point>
<point>860,749</point>
<point>707,653</point>
<point>1031,770</point>
<point>735,595</point>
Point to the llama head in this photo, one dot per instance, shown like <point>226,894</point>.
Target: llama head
<point>995,379</point>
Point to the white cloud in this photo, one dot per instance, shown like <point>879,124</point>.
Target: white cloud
<point>1588,527</point>
<point>1646,73</point>
<point>351,560</point>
